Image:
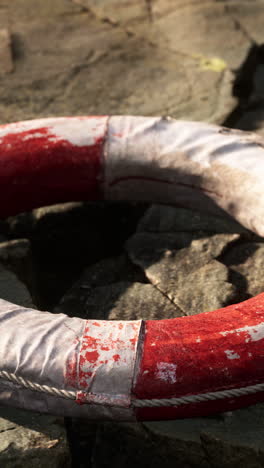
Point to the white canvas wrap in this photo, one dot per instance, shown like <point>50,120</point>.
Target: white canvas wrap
<point>190,164</point>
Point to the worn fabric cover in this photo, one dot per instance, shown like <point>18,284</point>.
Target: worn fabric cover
<point>109,365</point>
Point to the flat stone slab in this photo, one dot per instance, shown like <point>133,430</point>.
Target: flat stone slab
<point>231,440</point>
<point>161,218</point>
<point>249,17</point>
<point>68,237</point>
<point>16,256</point>
<point>32,440</point>
<point>135,71</point>
<point>6,56</point>
<point>12,289</point>
<point>5,52</point>
<point>246,263</point>
<point>174,269</point>
<point>117,12</point>
<point>118,301</point>
<point>206,30</point>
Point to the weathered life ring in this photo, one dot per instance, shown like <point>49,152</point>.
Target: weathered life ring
<point>144,370</point>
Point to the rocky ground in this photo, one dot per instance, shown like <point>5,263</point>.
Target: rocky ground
<point>189,59</point>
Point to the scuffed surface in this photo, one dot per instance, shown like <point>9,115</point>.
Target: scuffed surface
<point>106,361</point>
<point>119,63</point>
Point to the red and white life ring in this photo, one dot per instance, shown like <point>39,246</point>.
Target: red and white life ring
<point>143,370</point>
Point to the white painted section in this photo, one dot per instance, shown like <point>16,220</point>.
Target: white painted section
<point>167,372</point>
<point>254,332</point>
<point>107,360</point>
<point>45,349</point>
<point>187,163</point>
<point>231,354</point>
<point>79,131</point>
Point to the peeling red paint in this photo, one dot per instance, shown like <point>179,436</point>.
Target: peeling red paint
<point>103,351</point>
<point>116,357</point>
<point>39,168</point>
<point>81,398</point>
<point>89,342</point>
<point>202,365</point>
<point>91,356</point>
<point>71,377</point>
<point>105,348</point>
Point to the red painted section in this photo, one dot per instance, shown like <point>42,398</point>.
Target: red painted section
<point>71,375</point>
<point>38,168</point>
<point>203,353</point>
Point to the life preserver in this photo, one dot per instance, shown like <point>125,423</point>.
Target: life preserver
<point>161,369</point>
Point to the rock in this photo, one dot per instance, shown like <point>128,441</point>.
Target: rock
<point>101,274</point>
<point>21,225</point>
<point>252,119</point>
<point>16,255</point>
<point>16,272</point>
<point>118,301</point>
<point>32,440</point>
<point>246,263</point>
<point>6,60</point>
<point>149,247</point>
<point>117,12</point>
<point>108,271</point>
<point>231,440</point>
<point>13,290</point>
<point>177,77</point>
<point>138,447</point>
<point>3,236</point>
<point>136,61</point>
<point>160,218</point>
<point>250,115</point>
<point>5,52</point>
<point>184,274</point>
<point>203,30</point>
<point>249,18</point>
<point>68,237</point>
<point>212,289</point>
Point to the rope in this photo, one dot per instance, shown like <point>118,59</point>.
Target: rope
<point>71,395</point>
<point>210,396</point>
<point>37,387</point>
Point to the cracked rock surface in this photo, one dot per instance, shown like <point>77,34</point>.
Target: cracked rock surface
<point>196,60</point>
<point>178,267</point>
<point>32,440</point>
<point>104,59</point>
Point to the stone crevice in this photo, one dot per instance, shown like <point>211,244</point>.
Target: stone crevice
<point>238,25</point>
<point>7,429</point>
